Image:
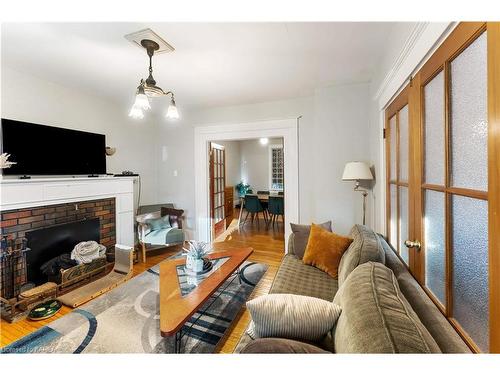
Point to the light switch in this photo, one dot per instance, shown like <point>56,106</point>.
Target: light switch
<point>175,173</point>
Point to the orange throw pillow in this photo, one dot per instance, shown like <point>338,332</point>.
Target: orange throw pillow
<point>324,250</point>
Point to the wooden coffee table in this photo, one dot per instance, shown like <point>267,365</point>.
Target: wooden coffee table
<point>181,295</point>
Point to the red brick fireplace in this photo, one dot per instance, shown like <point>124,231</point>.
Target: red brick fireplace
<point>15,223</point>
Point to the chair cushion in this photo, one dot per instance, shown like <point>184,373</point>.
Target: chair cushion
<point>376,317</point>
<point>164,236</point>
<point>294,277</point>
<point>292,316</point>
<point>284,346</point>
<point>301,236</point>
<point>365,247</point>
<point>324,250</point>
<point>158,223</point>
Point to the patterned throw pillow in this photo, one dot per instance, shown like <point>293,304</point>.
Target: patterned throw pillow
<point>291,316</point>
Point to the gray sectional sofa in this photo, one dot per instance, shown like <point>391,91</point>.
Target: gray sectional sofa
<point>384,309</point>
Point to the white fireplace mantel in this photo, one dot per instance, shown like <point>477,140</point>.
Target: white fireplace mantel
<point>36,192</point>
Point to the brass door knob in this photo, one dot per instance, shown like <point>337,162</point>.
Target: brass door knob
<point>412,244</point>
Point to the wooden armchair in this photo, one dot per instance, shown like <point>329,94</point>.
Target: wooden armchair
<point>161,228</point>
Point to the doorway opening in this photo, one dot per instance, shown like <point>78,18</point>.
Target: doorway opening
<point>247,188</point>
<point>286,130</point>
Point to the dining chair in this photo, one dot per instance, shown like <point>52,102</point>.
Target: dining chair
<point>276,208</point>
<point>254,207</point>
<point>263,192</point>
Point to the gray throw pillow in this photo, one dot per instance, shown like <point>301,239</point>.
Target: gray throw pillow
<point>301,236</point>
<point>160,223</point>
<point>291,316</point>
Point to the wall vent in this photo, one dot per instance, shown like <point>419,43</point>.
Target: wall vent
<point>135,38</point>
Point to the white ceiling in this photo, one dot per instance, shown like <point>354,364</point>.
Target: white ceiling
<point>214,64</point>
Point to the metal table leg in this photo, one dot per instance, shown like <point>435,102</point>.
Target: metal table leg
<point>177,341</point>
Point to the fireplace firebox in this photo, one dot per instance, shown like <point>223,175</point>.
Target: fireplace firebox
<point>49,242</point>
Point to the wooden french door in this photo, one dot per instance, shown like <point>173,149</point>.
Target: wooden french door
<point>398,176</point>
<point>217,186</point>
<point>447,180</point>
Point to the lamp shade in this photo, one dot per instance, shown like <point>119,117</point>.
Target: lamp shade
<point>136,113</point>
<point>172,112</point>
<point>357,170</point>
<point>141,100</point>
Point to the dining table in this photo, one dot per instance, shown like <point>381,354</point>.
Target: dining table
<point>262,197</point>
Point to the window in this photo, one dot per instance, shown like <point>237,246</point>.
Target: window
<point>276,173</point>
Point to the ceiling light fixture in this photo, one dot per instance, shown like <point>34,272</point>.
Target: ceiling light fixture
<point>148,89</point>
<point>264,141</point>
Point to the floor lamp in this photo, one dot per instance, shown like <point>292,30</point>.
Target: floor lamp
<point>356,171</point>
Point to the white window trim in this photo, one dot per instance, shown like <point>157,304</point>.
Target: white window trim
<point>271,148</point>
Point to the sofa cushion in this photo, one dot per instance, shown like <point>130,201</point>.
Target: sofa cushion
<point>438,326</point>
<point>294,277</point>
<point>292,316</point>
<point>365,247</point>
<point>300,236</point>
<point>376,317</point>
<point>324,250</point>
<point>277,345</point>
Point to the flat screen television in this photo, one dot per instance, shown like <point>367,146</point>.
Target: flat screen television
<point>51,151</point>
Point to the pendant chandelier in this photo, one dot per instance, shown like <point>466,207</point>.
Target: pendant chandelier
<point>148,89</point>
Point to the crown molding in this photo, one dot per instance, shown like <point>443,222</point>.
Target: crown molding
<point>410,42</point>
<point>425,38</point>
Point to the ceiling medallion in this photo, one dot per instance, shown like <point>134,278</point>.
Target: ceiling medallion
<point>148,89</point>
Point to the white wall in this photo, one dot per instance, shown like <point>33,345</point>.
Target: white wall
<point>255,163</point>
<point>339,136</point>
<point>333,130</point>
<point>31,99</point>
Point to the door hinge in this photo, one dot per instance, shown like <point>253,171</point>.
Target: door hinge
<point>384,135</point>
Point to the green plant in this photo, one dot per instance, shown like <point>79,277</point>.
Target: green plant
<point>197,249</point>
<point>242,188</point>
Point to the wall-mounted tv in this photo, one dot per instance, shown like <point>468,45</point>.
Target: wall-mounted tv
<point>51,151</point>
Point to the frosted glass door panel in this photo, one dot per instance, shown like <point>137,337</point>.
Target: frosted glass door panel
<point>393,134</point>
<point>470,267</point>
<point>434,242</point>
<point>404,148</point>
<point>434,130</point>
<point>403,223</point>
<point>469,125</point>
<point>394,217</point>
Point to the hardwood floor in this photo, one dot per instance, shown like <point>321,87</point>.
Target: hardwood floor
<point>269,248</point>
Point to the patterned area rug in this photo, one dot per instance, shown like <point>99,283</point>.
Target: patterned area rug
<point>126,320</point>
